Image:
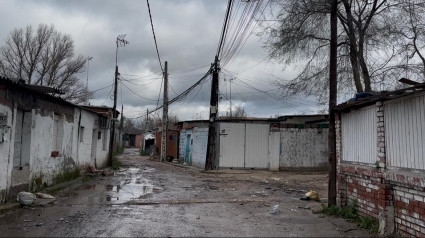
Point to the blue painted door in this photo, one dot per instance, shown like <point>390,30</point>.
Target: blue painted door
<point>188,153</point>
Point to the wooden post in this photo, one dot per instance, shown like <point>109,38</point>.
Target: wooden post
<point>164,116</point>
<point>332,103</point>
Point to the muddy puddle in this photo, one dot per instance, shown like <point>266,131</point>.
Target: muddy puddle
<point>131,185</point>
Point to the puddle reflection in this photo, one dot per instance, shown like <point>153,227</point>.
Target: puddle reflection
<point>133,187</point>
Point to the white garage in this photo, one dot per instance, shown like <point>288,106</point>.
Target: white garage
<point>244,145</point>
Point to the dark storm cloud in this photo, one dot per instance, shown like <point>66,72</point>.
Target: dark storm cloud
<point>187,33</point>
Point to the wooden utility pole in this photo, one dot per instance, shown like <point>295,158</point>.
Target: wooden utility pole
<point>114,115</point>
<point>121,126</point>
<point>212,130</point>
<point>164,116</point>
<point>332,103</point>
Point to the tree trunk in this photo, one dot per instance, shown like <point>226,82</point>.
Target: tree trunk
<point>365,70</point>
<point>353,47</point>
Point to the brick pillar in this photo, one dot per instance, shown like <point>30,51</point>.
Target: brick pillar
<point>341,184</point>
<point>381,160</point>
<point>385,192</point>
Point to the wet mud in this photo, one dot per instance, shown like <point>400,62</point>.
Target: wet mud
<point>149,198</point>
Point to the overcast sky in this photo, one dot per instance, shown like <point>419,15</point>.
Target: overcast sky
<point>187,33</point>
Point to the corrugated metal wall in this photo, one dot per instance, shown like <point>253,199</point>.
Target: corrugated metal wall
<point>257,146</point>
<point>232,145</point>
<point>405,132</point>
<point>359,135</point>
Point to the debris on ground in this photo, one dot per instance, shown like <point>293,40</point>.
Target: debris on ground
<point>44,196</point>
<point>108,173</point>
<point>307,208</point>
<point>311,195</point>
<point>26,198</point>
<point>275,210</point>
<point>95,171</point>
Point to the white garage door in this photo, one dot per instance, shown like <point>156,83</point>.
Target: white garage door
<point>232,143</point>
<point>244,145</point>
<point>257,146</point>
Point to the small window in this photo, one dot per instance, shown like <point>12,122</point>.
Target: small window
<point>99,135</point>
<point>82,134</point>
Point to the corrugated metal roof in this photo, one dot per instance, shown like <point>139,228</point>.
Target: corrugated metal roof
<point>381,96</point>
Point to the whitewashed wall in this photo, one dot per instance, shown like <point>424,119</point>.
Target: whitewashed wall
<point>84,148</point>
<point>359,135</point>
<point>199,148</point>
<point>182,143</point>
<point>303,148</point>
<point>274,150</point>
<point>102,152</point>
<point>42,165</point>
<point>405,132</point>
<point>6,152</point>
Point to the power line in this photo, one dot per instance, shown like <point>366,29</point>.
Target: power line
<point>181,96</point>
<point>154,37</point>
<point>224,29</point>
<point>107,96</point>
<point>157,51</point>
<point>102,88</point>
<point>122,83</point>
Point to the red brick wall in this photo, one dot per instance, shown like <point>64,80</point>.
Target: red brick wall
<point>409,211</point>
<point>172,145</point>
<point>366,192</point>
<point>138,141</point>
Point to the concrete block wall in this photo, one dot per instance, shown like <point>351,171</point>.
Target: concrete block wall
<point>303,148</point>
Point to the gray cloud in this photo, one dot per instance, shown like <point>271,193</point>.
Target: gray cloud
<point>187,32</point>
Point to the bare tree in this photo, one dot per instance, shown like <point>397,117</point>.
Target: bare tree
<point>45,57</point>
<point>410,28</point>
<point>367,44</point>
<point>238,112</point>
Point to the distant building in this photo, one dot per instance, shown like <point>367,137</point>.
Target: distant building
<point>290,142</point>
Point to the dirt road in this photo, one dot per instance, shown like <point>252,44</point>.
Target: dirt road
<point>149,198</point>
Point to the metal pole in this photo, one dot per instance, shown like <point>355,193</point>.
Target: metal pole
<point>147,119</point>
<point>88,67</point>
<point>332,193</point>
<point>165,116</point>
<point>230,80</point>
<point>212,135</point>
